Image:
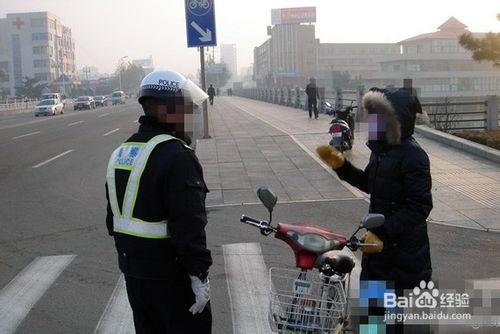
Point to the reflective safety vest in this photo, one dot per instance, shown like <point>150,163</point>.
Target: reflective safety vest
<point>133,156</point>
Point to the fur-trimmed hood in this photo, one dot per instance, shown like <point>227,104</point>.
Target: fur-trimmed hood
<point>399,106</point>
<point>375,102</point>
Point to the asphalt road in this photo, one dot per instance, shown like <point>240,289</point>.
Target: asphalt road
<point>57,207</point>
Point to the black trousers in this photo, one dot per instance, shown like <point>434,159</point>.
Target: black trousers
<point>163,307</point>
<point>312,104</point>
<point>211,99</point>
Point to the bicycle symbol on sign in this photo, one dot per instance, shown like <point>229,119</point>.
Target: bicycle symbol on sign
<point>199,7</point>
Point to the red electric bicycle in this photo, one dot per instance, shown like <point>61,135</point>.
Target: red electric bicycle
<point>307,300</point>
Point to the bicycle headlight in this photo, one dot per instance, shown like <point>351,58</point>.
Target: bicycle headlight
<point>313,242</point>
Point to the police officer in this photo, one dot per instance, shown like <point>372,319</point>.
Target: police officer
<point>156,211</point>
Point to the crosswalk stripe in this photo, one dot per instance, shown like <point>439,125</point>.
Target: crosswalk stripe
<point>22,293</point>
<point>248,287</point>
<point>117,317</point>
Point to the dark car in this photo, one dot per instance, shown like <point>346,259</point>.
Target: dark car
<point>101,101</point>
<point>84,102</point>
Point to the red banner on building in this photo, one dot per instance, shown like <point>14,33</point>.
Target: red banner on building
<point>293,15</point>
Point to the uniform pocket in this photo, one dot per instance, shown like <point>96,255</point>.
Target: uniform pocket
<point>196,191</point>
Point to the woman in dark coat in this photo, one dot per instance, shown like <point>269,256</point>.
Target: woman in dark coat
<point>398,180</point>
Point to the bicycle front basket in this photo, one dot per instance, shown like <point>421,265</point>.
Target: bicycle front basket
<point>304,303</point>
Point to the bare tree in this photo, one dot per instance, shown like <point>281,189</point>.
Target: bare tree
<point>443,117</point>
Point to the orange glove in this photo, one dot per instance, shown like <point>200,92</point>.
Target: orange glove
<point>330,156</point>
<point>371,238</point>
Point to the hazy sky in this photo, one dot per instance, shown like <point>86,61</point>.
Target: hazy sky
<point>105,30</point>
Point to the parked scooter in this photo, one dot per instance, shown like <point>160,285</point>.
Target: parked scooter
<point>342,126</point>
<point>305,300</point>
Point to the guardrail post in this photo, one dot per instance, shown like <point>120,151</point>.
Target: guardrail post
<point>492,113</point>
<point>359,98</point>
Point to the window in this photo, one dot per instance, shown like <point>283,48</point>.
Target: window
<point>40,50</point>
<point>41,63</point>
<point>38,23</point>
<point>413,67</point>
<point>43,76</point>
<point>52,24</point>
<point>40,36</point>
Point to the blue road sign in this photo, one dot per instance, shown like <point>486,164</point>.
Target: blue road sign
<point>200,23</point>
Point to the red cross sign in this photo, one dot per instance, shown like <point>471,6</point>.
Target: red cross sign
<point>18,23</point>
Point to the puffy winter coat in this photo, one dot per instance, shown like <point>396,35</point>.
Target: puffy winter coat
<point>398,180</point>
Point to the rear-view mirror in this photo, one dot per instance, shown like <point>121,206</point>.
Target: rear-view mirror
<point>372,220</point>
<point>267,197</point>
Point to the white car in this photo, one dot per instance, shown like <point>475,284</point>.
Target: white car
<point>49,107</point>
<point>118,97</point>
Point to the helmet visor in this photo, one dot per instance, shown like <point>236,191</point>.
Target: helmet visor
<point>193,92</point>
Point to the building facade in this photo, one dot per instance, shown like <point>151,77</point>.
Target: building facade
<point>146,64</point>
<point>439,66</point>
<point>292,54</point>
<point>356,60</point>
<point>229,57</point>
<point>35,45</point>
<point>288,57</point>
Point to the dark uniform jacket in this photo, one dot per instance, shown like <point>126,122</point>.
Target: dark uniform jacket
<point>398,180</point>
<point>211,91</point>
<point>171,188</point>
<point>312,92</point>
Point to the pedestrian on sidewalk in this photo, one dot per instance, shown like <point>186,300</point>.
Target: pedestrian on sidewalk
<point>312,98</point>
<point>156,212</point>
<point>211,94</point>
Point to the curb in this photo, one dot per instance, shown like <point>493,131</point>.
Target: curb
<point>460,143</point>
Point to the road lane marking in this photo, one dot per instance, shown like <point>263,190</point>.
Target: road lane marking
<point>22,293</point>
<point>330,171</point>
<point>106,114</point>
<point>248,287</point>
<point>26,135</point>
<point>110,132</point>
<point>117,316</point>
<point>52,159</point>
<point>75,123</point>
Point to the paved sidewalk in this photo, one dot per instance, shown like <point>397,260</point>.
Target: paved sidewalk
<point>256,143</point>
<point>245,153</point>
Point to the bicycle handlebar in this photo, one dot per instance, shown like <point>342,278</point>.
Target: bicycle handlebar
<point>265,227</point>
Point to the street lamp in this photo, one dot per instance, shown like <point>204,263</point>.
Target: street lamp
<point>120,70</point>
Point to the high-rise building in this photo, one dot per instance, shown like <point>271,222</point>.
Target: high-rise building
<point>35,45</point>
<point>289,56</point>
<point>228,56</point>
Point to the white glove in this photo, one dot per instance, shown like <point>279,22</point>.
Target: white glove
<point>202,293</point>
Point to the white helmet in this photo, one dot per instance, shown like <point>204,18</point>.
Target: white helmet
<point>164,85</point>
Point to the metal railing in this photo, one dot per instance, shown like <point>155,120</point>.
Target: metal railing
<point>467,115</point>
<point>444,115</point>
<point>296,97</point>
<point>17,104</point>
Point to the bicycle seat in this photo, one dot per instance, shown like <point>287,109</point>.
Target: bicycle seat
<point>338,263</point>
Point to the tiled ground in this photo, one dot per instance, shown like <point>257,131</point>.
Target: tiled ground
<point>245,153</point>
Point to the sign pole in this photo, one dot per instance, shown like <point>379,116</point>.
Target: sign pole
<point>203,87</point>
